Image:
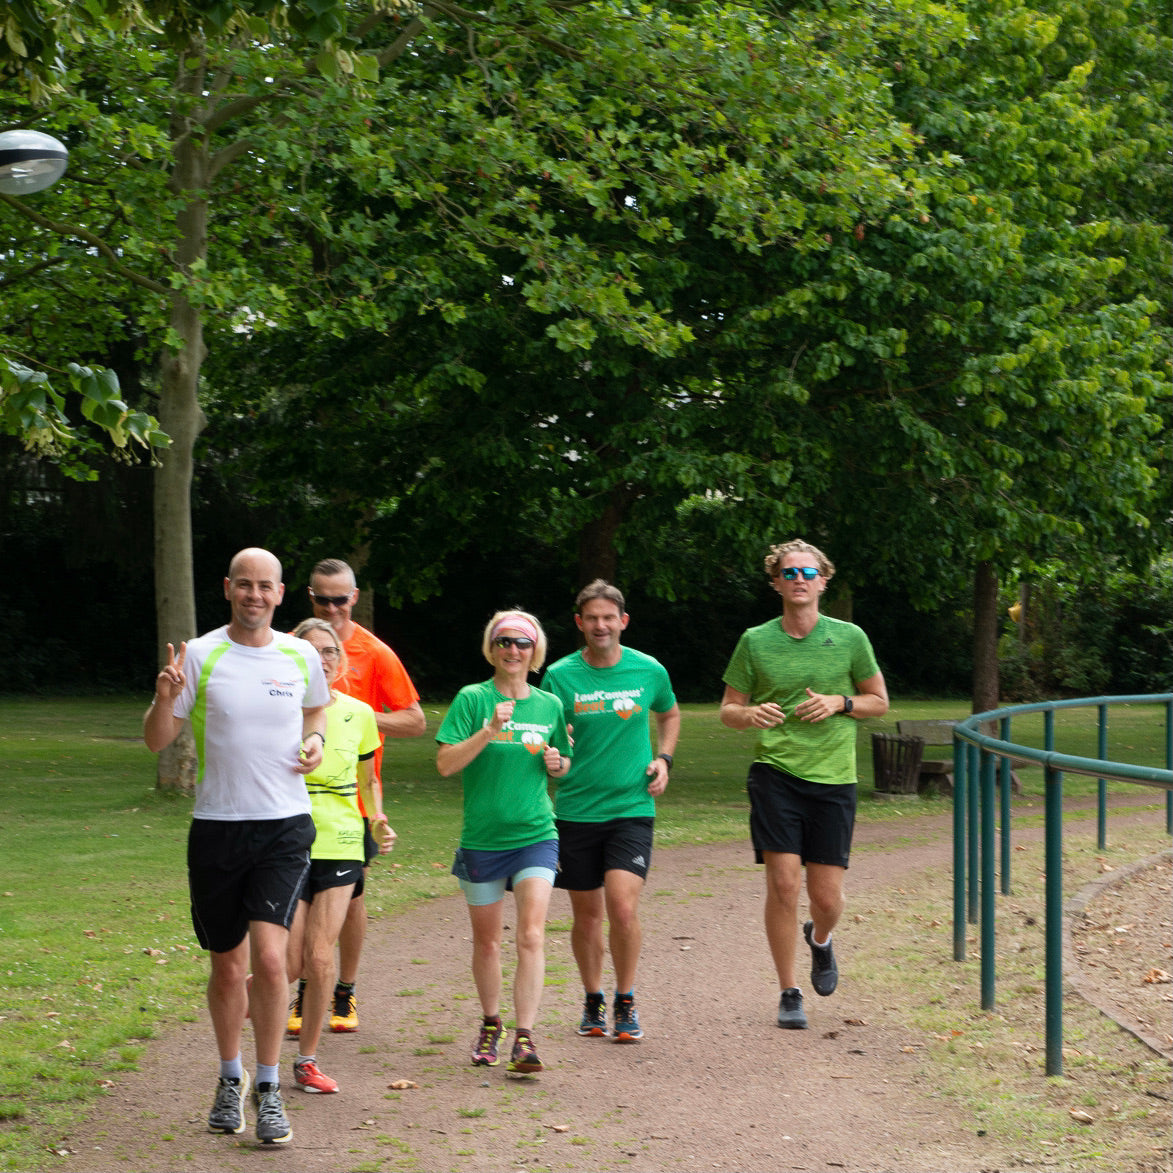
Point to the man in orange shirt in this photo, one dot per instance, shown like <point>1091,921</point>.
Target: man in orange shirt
<point>377,677</point>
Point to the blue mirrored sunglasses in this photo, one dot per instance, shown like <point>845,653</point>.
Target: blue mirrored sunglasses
<point>790,573</point>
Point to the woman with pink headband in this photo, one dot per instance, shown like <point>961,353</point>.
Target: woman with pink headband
<point>506,739</point>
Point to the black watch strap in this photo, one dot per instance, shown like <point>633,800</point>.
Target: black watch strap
<point>848,705</point>
<point>667,757</point>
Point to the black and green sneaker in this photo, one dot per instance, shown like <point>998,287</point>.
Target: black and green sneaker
<point>626,1028</point>
<point>594,1016</point>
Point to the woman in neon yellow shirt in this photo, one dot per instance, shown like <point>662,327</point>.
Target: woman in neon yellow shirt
<point>347,773</point>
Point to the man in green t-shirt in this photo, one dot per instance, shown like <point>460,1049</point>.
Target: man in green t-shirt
<point>606,804</point>
<point>793,680</point>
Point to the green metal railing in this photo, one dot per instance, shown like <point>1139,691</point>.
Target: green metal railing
<point>975,755</point>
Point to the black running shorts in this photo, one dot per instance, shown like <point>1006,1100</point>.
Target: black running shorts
<point>587,851</point>
<point>244,871</point>
<point>332,873</point>
<point>808,819</point>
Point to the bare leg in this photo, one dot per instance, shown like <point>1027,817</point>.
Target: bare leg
<point>352,937</point>
<point>488,923</point>
<point>586,937</point>
<point>227,1000</point>
<point>824,887</point>
<point>622,892</point>
<point>783,886</point>
<point>270,989</point>
<point>323,924</point>
<point>532,896</point>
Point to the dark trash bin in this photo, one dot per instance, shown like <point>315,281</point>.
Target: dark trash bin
<point>896,762</point>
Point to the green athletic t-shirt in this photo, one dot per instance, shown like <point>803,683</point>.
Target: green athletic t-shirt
<point>609,710</point>
<point>769,665</point>
<point>351,733</point>
<point>506,796</point>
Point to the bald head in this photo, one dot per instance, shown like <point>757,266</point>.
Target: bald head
<point>253,589</point>
<point>254,556</point>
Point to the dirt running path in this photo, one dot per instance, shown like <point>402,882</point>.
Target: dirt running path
<point>714,1084</point>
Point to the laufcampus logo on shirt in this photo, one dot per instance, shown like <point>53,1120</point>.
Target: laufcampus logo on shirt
<point>622,703</point>
<point>280,687</point>
<point>533,737</point>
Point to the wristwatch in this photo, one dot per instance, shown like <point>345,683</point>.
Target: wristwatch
<point>667,758</point>
<point>848,705</point>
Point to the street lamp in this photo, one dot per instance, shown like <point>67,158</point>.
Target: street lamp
<point>30,161</point>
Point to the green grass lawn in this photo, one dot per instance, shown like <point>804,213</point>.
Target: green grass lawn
<point>96,947</point>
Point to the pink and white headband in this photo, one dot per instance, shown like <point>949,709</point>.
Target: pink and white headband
<point>517,623</point>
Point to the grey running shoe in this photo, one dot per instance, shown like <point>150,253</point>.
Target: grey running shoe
<point>272,1123</point>
<point>227,1114</point>
<point>626,1028</point>
<point>790,1015</point>
<point>824,970</point>
<point>594,1016</point>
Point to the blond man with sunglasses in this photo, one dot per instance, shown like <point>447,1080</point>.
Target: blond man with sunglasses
<point>797,682</point>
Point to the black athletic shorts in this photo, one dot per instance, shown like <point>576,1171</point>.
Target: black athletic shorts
<point>331,873</point>
<point>244,871</point>
<point>587,851</point>
<point>808,819</point>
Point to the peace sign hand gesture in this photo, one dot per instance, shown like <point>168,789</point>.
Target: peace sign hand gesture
<point>171,679</point>
<point>160,724</point>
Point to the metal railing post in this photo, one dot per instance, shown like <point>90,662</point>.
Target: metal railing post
<point>972,828</point>
<point>1004,773</point>
<point>1169,765</point>
<point>1053,914</point>
<point>960,801</point>
<point>1102,783</point>
<point>987,837</point>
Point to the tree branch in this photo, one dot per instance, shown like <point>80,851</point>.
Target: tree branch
<point>60,228</point>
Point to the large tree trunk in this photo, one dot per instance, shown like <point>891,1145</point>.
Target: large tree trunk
<point>596,543</point>
<point>182,419</point>
<point>985,638</point>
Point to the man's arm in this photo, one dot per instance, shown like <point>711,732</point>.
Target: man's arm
<point>370,793</point>
<point>160,724</point>
<point>738,713</point>
<point>313,722</point>
<point>870,700</point>
<point>667,734</point>
<point>409,722</point>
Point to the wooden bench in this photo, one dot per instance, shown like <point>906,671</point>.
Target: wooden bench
<point>937,774</point>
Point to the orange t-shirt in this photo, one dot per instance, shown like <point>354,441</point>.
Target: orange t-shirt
<point>376,675</point>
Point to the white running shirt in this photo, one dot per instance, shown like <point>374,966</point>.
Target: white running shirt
<point>245,706</point>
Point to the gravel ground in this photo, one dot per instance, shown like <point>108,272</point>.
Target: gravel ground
<point>714,1084</point>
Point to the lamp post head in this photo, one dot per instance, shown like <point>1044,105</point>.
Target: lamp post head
<point>30,161</point>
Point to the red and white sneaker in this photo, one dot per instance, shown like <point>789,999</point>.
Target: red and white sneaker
<point>307,1077</point>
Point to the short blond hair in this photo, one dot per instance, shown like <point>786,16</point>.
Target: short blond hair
<point>308,625</point>
<point>797,546</point>
<point>497,621</point>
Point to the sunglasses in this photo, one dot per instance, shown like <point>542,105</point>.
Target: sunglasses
<point>790,573</point>
<point>330,600</point>
<point>508,641</point>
